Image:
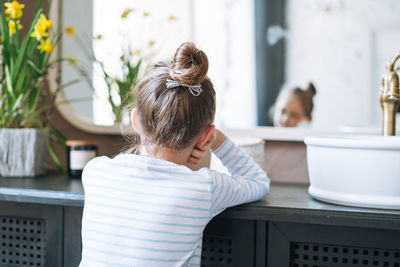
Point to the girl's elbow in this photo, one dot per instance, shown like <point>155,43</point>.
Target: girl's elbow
<point>266,185</point>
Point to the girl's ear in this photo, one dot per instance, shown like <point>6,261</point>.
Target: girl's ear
<point>206,136</point>
<point>134,117</point>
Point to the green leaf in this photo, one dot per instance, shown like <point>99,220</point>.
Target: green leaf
<point>33,100</point>
<point>8,82</point>
<point>20,81</point>
<point>53,155</point>
<point>32,64</point>
<point>25,43</point>
<point>60,139</point>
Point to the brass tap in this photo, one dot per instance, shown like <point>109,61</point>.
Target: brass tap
<point>390,98</point>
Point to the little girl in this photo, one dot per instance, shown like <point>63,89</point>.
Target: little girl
<point>148,208</point>
<point>294,106</point>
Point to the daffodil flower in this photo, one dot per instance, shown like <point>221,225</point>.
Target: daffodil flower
<point>14,9</point>
<point>146,14</point>
<point>126,13</point>
<point>172,18</point>
<point>151,43</point>
<point>70,30</point>
<point>44,21</point>
<point>45,46</point>
<point>137,52</point>
<point>99,36</point>
<point>39,31</point>
<point>12,26</point>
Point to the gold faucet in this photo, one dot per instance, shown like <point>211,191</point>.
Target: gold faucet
<point>390,98</point>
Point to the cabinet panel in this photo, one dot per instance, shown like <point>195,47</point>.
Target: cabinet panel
<point>228,242</point>
<point>30,235</point>
<point>72,236</point>
<point>296,245</point>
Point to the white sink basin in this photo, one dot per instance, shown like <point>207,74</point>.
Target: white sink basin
<point>353,170</point>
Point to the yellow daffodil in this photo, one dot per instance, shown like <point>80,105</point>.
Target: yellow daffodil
<point>126,13</point>
<point>70,30</point>
<point>151,43</point>
<point>44,21</point>
<point>72,59</point>
<point>39,31</point>
<point>146,14</point>
<point>12,26</point>
<point>172,18</point>
<point>45,46</point>
<point>14,9</point>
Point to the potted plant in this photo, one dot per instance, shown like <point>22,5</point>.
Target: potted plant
<point>25,103</point>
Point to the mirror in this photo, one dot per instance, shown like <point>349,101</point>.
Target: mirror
<point>211,24</point>
<point>341,46</point>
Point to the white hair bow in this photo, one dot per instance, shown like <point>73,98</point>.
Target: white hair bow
<point>194,89</point>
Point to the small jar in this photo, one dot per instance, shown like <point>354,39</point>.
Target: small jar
<point>79,152</point>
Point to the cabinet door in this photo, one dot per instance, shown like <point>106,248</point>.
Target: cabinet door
<point>228,242</point>
<point>72,236</point>
<point>30,234</point>
<point>292,244</point>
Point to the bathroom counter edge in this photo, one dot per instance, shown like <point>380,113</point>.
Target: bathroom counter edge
<point>285,202</point>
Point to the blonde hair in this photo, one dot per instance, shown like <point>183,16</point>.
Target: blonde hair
<point>173,117</point>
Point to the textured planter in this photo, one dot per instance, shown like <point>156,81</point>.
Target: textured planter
<point>23,152</point>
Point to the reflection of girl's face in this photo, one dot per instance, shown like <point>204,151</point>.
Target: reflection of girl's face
<point>293,113</point>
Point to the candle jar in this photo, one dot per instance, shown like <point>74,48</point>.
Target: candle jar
<point>79,152</point>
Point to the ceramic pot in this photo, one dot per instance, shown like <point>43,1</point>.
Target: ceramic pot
<point>23,152</point>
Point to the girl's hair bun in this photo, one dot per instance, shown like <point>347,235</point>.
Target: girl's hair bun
<point>190,65</point>
<point>311,89</point>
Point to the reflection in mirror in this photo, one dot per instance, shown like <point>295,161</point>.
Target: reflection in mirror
<point>294,106</point>
<point>341,46</point>
<point>151,31</point>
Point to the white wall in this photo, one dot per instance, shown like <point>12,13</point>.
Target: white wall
<point>224,29</point>
<point>342,46</point>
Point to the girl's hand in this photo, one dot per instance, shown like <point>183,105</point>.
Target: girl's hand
<point>196,156</point>
<point>212,143</point>
<point>199,150</point>
<point>218,140</point>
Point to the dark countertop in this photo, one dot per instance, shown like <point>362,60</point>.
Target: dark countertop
<point>53,189</point>
<point>285,202</point>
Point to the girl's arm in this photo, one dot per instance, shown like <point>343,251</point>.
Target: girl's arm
<point>247,182</point>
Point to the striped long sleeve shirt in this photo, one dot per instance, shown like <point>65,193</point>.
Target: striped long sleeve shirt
<point>141,211</point>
